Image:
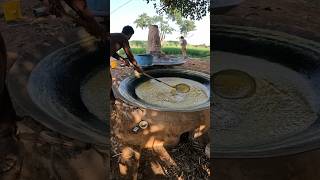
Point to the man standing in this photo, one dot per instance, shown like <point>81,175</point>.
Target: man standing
<point>183,44</point>
<point>121,41</point>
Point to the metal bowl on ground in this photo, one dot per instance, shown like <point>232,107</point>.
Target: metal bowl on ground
<point>271,59</point>
<point>168,61</point>
<point>144,60</point>
<point>166,125</point>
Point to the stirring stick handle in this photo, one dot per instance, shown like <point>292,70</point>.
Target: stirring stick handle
<point>154,78</point>
<point>157,79</point>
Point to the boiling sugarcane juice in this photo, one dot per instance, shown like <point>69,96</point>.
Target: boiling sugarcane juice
<point>159,94</point>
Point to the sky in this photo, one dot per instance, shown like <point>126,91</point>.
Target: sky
<point>125,12</point>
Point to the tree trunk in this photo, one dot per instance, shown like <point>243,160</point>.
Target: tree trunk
<point>154,42</point>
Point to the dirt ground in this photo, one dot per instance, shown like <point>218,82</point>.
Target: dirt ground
<point>44,154</point>
<point>300,18</point>
<point>48,155</point>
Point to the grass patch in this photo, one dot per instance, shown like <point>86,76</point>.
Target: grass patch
<point>171,48</point>
<point>191,51</point>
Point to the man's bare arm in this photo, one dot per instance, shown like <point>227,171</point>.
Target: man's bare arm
<point>86,19</point>
<point>130,56</point>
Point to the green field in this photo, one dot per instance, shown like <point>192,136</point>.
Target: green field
<point>172,48</point>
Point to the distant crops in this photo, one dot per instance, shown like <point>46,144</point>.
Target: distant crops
<point>171,48</point>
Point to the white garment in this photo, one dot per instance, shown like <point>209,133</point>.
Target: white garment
<point>183,42</point>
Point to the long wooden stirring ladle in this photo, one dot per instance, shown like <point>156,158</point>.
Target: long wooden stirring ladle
<point>180,88</point>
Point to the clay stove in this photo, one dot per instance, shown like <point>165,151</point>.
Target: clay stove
<point>165,125</point>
